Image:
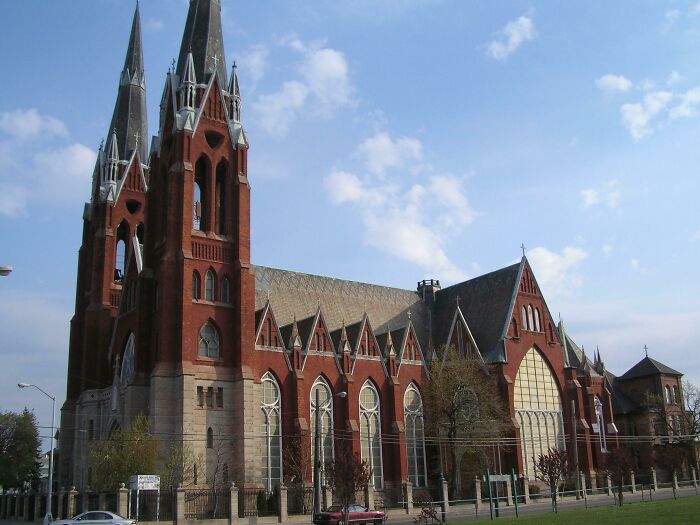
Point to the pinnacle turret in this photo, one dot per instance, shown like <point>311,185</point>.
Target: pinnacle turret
<point>203,38</point>
<point>129,117</point>
<point>235,94</point>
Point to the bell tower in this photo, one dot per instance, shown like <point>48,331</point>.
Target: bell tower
<point>199,212</point>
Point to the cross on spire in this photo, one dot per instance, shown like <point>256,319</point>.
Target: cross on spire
<point>216,61</point>
<point>522,247</point>
<point>137,136</point>
<point>646,351</point>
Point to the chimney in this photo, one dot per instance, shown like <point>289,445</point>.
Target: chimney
<point>427,289</point>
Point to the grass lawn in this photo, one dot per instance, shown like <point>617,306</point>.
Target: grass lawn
<point>666,512</point>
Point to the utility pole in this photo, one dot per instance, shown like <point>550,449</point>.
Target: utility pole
<point>574,448</point>
<point>317,455</point>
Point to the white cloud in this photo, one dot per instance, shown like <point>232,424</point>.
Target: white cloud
<point>613,83</point>
<point>412,222</point>
<point>607,249</point>
<point>688,105</point>
<point>670,18</point>
<point>697,233</point>
<point>381,152</point>
<point>590,198</point>
<point>637,117</point>
<point>65,173</point>
<point>556,273</point>
<point>635,264</point>
<point>23,124</point>
<point>323,87</point>
<point>673,78</point>
<point>253,62</point>
<point>511,37</point>
<point>154,24</point>
<point>278,110</point>
<point>13,200</point>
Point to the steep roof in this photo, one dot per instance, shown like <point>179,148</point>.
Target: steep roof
<point>299,294</point>
<point>648,367</point>
<point>575,355</point>
<point>485,302</point>
<point>129,116</point>
<point>204,38</point>
<point>622,403</point>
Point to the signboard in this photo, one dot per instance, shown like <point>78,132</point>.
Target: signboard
<point>144,482</point>
<point>498,477</point>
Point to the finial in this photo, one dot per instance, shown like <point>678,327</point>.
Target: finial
<point>172,65</point>
<point>137,136</point>
<point>268,295</point>
<point>216,60</point>
<point>409,315</point>
<point>522,247</point>
<point>457,301</point>
<point>646,351</point>
<point>102,144</point>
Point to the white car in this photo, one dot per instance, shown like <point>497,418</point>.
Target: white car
<point>96,517</point>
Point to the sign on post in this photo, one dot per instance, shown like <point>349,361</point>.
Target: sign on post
<point>145,482</point>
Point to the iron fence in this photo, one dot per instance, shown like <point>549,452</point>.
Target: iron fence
<point>207,504</point>
<point>111,502</point>
<point>257,502</point>
<point>300,500</point>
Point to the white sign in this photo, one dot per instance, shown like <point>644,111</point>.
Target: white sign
<point>141,482</point>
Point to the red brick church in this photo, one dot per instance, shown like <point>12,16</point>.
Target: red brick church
<point>173,321</point>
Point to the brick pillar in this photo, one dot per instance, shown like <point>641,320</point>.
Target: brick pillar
<point>526,489</point>
<point>695,477</point>
<point>583,483</point>
<point>71,501</point>
<point>444,494</point>
<point>122,500</point>
<point>653,479</point>
<point>282,500</point>
<point>593,476</point>
<point>509,494</point>
<point>407,487</point>
<point>180,506</point>
<point>233,518</point>
<point>59,506</point>
<point>369,496</point>
<point>675,480</point>
<point>102,501</point>
<point>327,496</point>
<point>477,492</point>
<point>609,484</point>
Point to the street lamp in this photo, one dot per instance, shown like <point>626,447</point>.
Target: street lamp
<point>317,448</point>
<point>5,269</point>
<point>53,422</point>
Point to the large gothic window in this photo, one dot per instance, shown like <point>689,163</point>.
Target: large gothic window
<point>325,408</point>
<point>225,290</point>
<point>371,432</point>
<point>221,198</point>
<point>538,410</point>
<point>271,432</point>
<point>209,341</point>
<point>200,203</point>
<point>120,251</point>
<point>600,422</point>
<point>415,436</point>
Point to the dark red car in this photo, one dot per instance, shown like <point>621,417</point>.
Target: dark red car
<point>335,515</point>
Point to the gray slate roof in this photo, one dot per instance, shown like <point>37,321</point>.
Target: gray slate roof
<point>622,404</point>
<point>648,367</point>
<point>295,294</point>
<point>203,36</point>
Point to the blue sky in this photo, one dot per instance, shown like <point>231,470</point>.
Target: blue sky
<point>390,142</point>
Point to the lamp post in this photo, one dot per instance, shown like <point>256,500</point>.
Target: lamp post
<point>5,269</point>
<point>49,489</point>
<point>317,448</point>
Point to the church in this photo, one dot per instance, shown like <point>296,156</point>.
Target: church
<point>173,320</point>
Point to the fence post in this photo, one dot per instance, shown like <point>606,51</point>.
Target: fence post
<point>675,480</point>
<point>653,479</point>
<point>408,495</point>
<point>59,505</point>
<point>444,495</point>
<point>233,518</point>
<point>327,496</point>
<point>695,477</point>
<point>282,504</point>
<point>477,492</point>
<point>71,501</point>
<point>37,507</point>
<point>632,482</point>
<point>608,481</point>
<point>369,495</point>
<point>122,497</point>
<point>16,512</point>
<point>583,484</point>
<point>102,501</point>
<point>526,489</point>
<point>179,506</point>
<point>509,494</point>
<point>25,506</point>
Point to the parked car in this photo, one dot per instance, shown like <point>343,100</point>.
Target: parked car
<point>335,515</point>
<point>96,517</point>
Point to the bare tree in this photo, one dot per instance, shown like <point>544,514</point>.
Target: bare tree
<point>464,405</point>
<point>180,466</point>
<point>551,468</point>
<point>691,419</point>
<point>618,463</point>
<point>347,474</point>
<point>671,458</point>
<point>296,459</point>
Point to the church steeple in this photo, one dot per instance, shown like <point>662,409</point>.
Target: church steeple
<point>203,38</point>
<point>129,117</point>
<point>235,94</point>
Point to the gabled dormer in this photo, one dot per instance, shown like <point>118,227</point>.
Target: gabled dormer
<point>460,337</point>
<point>267,334</point>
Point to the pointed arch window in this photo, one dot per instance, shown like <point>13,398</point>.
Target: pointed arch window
<point>537,319</point>
<point>196,285</point>
<point>415,436</point>
<point>221,170</point>
<point>120,251</point>
<point>676,395</point>
<point>523,317</point>
<point>371,432</point>
<point>530,318</point>
<point>514,322</point>
<point>225,290</point>
<point>200,205</point>
<point>325,408</point>
<point>210,438</point>
<point>600,420</point>
<point>209,283</point>
<point>271,432</point>
<point>209,341</point>
<point>669,395</point>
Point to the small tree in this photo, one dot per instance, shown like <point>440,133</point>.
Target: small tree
<point>464,405</point>
<point>19,449</point>
<point>551,468</point>
<point>618,464</point>
<point>347,474</point>
<point>179,468</point>
<point>296,460</point>
<point>671,458</point>
<point>691,419</point>
<point>123,454</point>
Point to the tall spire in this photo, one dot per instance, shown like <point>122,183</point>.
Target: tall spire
<point>235,93</point>
<point>129,117</point>
<point>204,38</point>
